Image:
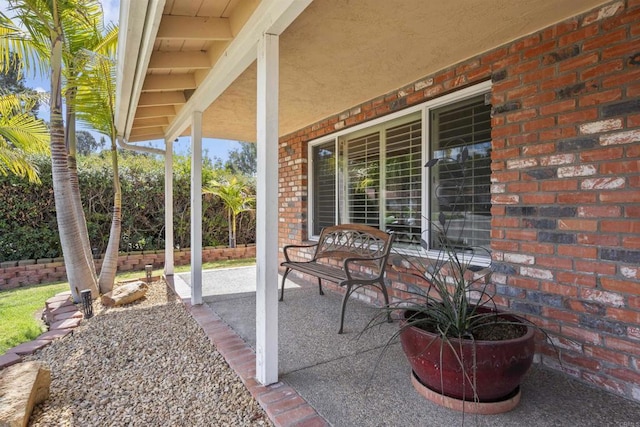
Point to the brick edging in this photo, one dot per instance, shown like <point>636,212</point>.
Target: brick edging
<point>282,403</point>
<point>62,319</point>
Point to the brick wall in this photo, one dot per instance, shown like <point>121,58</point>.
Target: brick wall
<point>566,184</point>
<point>31,272</point>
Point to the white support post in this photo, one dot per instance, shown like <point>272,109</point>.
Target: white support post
<point>168,208</point>
<point>196,208</point>
<point>267,211</point>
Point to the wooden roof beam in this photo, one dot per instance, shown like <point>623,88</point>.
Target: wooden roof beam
<point>179,61</point>
<point>151,112</point>
<point>161,98</point>
<point>165,82</point>
<point>147,133</point>
<point>194,28</point>
<point>149,123</point>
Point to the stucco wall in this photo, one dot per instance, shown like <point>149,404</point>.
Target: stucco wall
<point>566,185</point>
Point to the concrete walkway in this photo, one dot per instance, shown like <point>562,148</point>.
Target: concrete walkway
<point>347,380</point>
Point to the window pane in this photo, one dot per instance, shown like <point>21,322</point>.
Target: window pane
<point>324,191</point>
<point>363,179</point>
<point>403,176</point>
<point>462,191</point>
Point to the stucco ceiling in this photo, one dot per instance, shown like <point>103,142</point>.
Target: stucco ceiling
<point>339,53</point>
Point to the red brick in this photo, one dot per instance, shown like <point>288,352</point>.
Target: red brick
<point>534,150</point>
<point>620,197</point>
<point>539,99</point>
<point>522,138</point>
<point>559,185</point>
<point>521,235</point>
<point>559,82</point>
<point>555,262</point>
<point>631,242</point>
<point>558,289</point>
<point>578,62</point>
<point>598,239</point>
<point>576,278</point>
<point>625,167</point>
<point>631,347</point>
<point>621,79</point>
<point>560,29</point>
<point>294,416</point>
<point>621,50</point>
<point>537,248</point>
<point>578,251</point>
<point>578,116</point>
<point>627,316</point>
<point>540,49</point>
<point>538,199</point>
<point>627,226</point>
<point>522,115</point>
<point>522,187</point>
<point>575,198</point>
<point>578,360</point>
<point>577,224</point>
<point>595,267</point>
<point>542,123</point>
<point>624,286</point>
<point>625,374</point>
<point>523,282</point>
<point>604,40</point>
<point>610,153</point>
<point>581,334</point>
<point>579,35</point>
<point>605,383</point>
<point>600,97</point>
<point>562,315</point>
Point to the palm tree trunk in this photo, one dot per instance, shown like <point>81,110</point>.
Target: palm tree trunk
<point>230,226</point>
<point>70,141</point>
<point>233,230</point>
<point>110,262</point>
<point>80,273</point>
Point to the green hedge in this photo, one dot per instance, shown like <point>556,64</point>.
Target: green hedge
<point>28,227</point>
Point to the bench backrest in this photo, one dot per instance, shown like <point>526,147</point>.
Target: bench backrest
<point>354,240</point>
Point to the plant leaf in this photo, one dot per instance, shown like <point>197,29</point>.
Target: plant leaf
<point>441,219</point>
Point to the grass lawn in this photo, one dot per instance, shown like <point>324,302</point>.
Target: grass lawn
<point>18,307</point>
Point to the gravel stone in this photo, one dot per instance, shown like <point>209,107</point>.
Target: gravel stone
<point>142,364</point>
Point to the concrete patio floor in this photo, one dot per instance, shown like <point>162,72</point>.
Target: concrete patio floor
<point>349,381</point>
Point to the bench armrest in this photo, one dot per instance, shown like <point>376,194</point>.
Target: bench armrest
<point>287,247</point>
<point>356,260</point>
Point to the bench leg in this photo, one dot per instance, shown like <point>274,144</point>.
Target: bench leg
<point>320,286</point>
<point>344,305</point>
<point>284,277</point>
<point>386,300</point>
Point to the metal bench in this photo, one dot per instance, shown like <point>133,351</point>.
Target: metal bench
<point>351,255</point>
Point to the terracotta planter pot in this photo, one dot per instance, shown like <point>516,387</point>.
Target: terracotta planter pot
<point>497,367</point>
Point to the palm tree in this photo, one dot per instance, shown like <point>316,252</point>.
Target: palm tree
<point>81,36</point>
<point>96,106</point>
<point>39,43</point>
<point>237,197</point>
<point>21,134</point>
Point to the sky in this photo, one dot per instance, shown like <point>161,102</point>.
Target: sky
<point>111,9</point>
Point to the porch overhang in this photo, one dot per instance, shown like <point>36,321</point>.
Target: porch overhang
<point>179,57</point>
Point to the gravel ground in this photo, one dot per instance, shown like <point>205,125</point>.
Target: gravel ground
<point>144,364</point>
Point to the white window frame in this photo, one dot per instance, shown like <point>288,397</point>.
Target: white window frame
<point>425,108</point>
